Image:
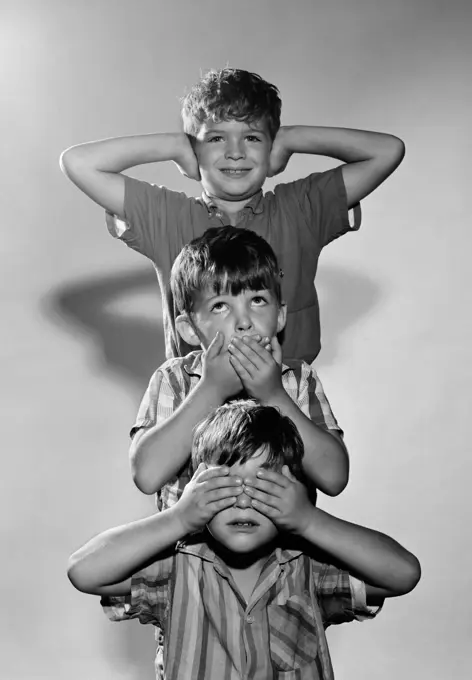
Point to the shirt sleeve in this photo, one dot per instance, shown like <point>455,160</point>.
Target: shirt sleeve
<point>156,223</point>
<point>313,401</point>
<point>342,598</point>
<point>160,401</point>
<point>149,598</point>
<point>322,200</point>
<point>166,392</point>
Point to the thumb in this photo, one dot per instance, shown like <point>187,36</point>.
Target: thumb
<point>276,350</point>
<point>215,346</point>
<point>199,470</point>
<point>287,473</point>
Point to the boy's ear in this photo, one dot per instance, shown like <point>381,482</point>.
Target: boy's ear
<point>282,318</point>
<point>186,330</point>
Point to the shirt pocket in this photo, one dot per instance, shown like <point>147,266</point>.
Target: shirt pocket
<point>293,637</point>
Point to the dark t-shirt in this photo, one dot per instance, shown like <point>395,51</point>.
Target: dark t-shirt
<point>298,219</point>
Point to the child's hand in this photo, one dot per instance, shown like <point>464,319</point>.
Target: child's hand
<point>279,155</point>
<point>209,491</point>
<point>258,367</point>
<point>281,498</point>
<point>218,371</point>
<point>186,161</point>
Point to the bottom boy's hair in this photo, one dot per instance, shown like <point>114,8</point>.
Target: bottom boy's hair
<point>236,431</point>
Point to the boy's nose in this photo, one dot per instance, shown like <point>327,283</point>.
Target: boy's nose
<point>243,501</point>
<point>234,150</point>
<point>243,322</point>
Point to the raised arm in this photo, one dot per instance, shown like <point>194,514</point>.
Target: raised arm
<point>95,167</point>
<point>158,453</point>
<point>326,461</point>
<point>370,157</point>
<point>387,568</point>
<point>105,564</point>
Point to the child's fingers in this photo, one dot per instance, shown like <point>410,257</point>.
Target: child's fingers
<point>200,469</point>
<point>271,500</point>
<point>216,345</point>
<point>259,352</point>
<point>217,506</point>
<point>213,495</point>
<point>239,367</point>
<point>223,482</point>
<point>245,354</point>
<point>268,510</point>
<point>276,350</point>
<point>271,476</point>
<point>210,472</point>
<point>287,473</point>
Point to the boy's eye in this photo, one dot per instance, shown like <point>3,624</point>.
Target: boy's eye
<point>216,138</point>
<point>259,300</point>
<point>252,138</point>
<point>218,307</point>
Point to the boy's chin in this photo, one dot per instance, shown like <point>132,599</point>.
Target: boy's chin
<point>234,193</point>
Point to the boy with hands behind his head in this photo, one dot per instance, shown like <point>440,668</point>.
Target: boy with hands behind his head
<point>231,142</point>
<point>222,571</point>
<point>226,286</point>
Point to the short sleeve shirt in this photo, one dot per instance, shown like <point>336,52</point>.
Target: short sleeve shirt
<point>297,219</point>
<point>278,633</point>
<point>176,378</point>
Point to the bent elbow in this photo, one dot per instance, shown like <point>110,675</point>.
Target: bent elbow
<point>336,484</point>
<point>335,488</point>
<point>67,159</point>
<point>143,483</point>
<point>396,150</point>
<point>143,477</point>
<point>77,575</point>
<point>409,575</point>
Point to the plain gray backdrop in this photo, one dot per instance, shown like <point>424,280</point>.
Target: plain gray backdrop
<point>81,313</point>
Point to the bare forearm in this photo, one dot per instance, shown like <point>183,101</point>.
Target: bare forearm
<point>370,555</point>
<point>95,168</point>
<point>119,153</point>
<point>345,144</point>
<point>114,555</point>
<point>369,157</point>
<point>161,451</point>
<point>326,461</point>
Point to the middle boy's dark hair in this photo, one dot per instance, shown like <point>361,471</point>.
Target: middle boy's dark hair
<point>224,260</point>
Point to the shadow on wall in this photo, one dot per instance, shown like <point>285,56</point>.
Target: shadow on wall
<point>128,342</point>
<point>131,345</point>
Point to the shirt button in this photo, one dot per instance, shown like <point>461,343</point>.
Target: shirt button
<point>249,619</point>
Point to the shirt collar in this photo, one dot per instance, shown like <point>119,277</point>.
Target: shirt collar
<point>255,204</point>
<point>197,546</point>
<point>192,364</point>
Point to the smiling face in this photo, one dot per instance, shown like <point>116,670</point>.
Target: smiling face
<point>233,157</point>
<point>249,313</point>
<point>240,528</point>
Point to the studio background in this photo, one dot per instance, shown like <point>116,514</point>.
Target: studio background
<point>81,315</point>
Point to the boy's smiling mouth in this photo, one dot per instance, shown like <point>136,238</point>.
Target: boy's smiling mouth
<point>235,172</point>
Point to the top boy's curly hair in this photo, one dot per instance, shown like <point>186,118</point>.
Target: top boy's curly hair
<point>236,431</point>
<point>224,260</point>
<point>231,94</point>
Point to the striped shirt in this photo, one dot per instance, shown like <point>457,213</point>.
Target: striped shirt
<point>212,633</point>
<point>176,378</point>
